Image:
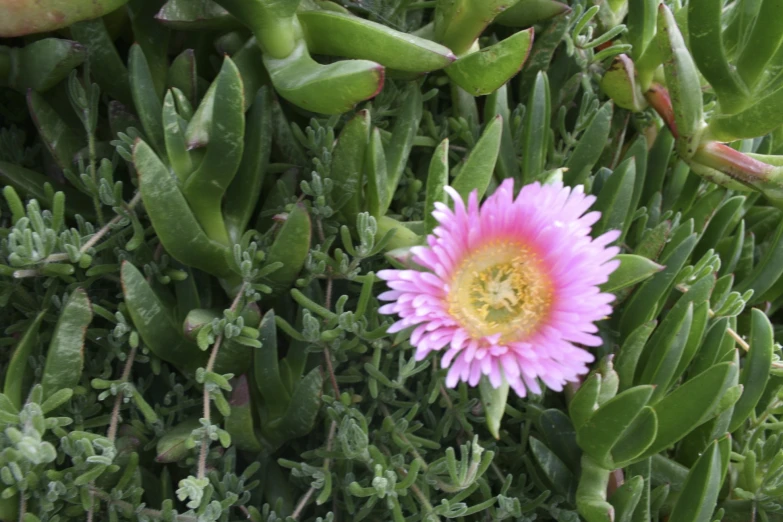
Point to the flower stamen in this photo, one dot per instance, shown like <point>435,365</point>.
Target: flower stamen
<point>500,289</point>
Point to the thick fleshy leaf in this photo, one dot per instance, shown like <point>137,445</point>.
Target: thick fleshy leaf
<point>155,323</point>
<point>755,371</point>
<point>188,15</point>
<point>486,70</point>
<point>18,366</point>
<point>536,129</point>
<point>476,172</point>
<point>206,186</point>
<point>240,423</point>
<point>291,247</point>
<point>527,13</point>
<point>686,407</point>
<point>337,34</point>
<point>399,146</point>
<point>699,495</point>
<point>65,357</point>
<point>326,89</point>
<point>556,472</point>
<point>174,222</point>
<point>706,43</point>
<point>606,426</point>
<point>619,83</point>
<point>377,177</point>
<point>437,179</point>
<point>106,66</point>
<point>682,79</point>
<point>591,145</point>
<point>21,18</point>
<point>633,269</point>
<point>494,402</point>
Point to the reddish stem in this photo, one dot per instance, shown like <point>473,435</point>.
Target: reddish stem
<point>723,158</point>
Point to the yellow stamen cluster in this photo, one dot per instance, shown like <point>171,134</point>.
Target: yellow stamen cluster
<point>501,288</point>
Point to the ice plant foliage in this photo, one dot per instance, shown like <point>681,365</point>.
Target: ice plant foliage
<point>509,290</point>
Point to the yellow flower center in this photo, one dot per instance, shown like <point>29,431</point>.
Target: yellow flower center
<point>501,288</point>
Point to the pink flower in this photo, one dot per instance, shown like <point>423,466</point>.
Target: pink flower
<point>509,289</point>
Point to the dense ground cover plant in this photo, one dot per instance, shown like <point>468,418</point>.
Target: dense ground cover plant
<point>204,202</point>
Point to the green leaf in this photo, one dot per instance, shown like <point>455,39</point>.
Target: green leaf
<point>639,435</point>
<point>632,270</point>
<point>174,222</point>
<point>706,43</point>
<point>585,400</point>
<point>527,13</point>
<point>39,17</point>
<point>348,162</point>
<point>606,426</point>
<point>194,15</point>
<point>458,23</point>
<point>326,89</point>
<point>243,193</point>
<point>755,372</point>
<point>337,34</point>
<point>182,75</point>
<point>486,70</point>
<point>437,179</point>
<point>762,43</point>
<point>643,305</point>
<point>155,323</point>
<point>560,437</point>
<point>589,147</point>
<point>378,192</point>
<point>174,137</point>
<point>661,364</point>
<point>106,67</point>
<point>496,104</point>
<point>205,188</point>
<point>615,198</point>
<point>65,357</point>
<point>682,79</point>
<point>42,64</point>
<point>619,83</point>
<point>291,247</point>
<point>641,22</point>
<point>686,407</point>
<point>146,98</point>
<point>699,495</point>
<point>266,368</point>
<point>536,129</point>
<point>240,423</point>
<point>303,408</point>
<point>406,127</point>
<point>630,352</point>
<point>754,121</point>
<point>62,141</point>
<point>173,445</point>
<point>556,472</point>
<point>626,498</point>
<point>476,172</point>
<point>769,268</point>
<point>19,365</point>
<point>494,401</point>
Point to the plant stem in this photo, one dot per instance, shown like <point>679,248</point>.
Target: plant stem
<point>202,459</point>
<point>54,258</point>
<point>93,171</point>
<point>152,513</point>
<point>115,413</point>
